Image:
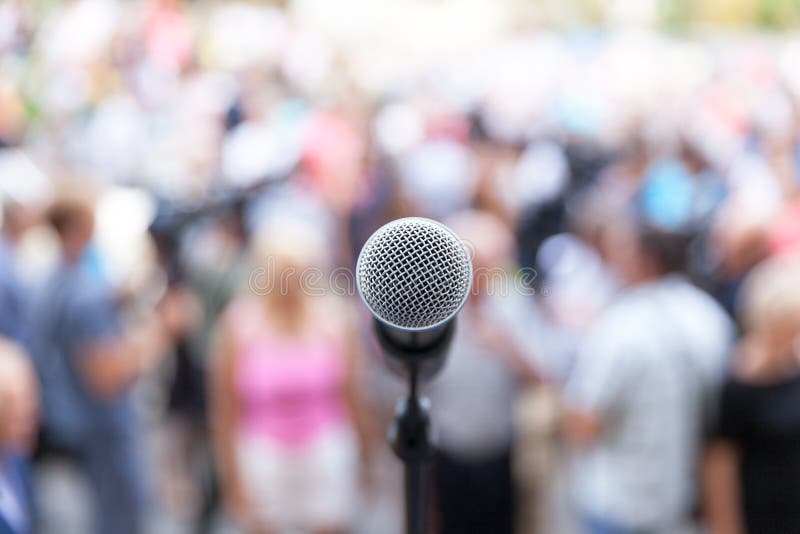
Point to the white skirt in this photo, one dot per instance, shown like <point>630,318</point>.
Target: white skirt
<point>298,489</point>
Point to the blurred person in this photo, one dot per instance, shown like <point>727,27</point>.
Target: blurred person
<point>739,240</point>
<point>643,382</point>
<point>88,362</point>
<point>381,201</point>
<point>333,164</point>
<point>681,192</point>
<point>672,191</point>
<point>539,221</point>
<point>473,399</point>
<point>285,394</point>
<point>19,418</point>
<point>784,238</point>
<point>752,465</point>
<point>12,114</point>
<point>16,219</point>
<point>167,35</point>
<point>624,174</point>
<point>333,155</point>
<point>25,191</point>
<point>213,271</point>
<point>709,189</point>
<point>439,177</point>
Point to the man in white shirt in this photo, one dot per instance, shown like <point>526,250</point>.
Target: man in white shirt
<point>635,401</point>
<point>472,400</point>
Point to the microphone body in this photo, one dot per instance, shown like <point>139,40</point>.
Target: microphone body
<point>414,275</point>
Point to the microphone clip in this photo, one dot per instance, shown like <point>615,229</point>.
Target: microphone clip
<point>424,351</point>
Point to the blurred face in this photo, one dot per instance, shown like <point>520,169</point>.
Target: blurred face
<point>19,412</point>
<point>482,274</point>
<point>619,248</point>
<point>490,246</point>
<point>79,234</point>
<point>290,270</point>
<point>290,278</point>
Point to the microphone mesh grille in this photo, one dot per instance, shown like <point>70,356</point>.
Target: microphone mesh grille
<point>414,273</point>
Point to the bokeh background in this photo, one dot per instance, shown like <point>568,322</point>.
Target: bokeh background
<point>195,128</point>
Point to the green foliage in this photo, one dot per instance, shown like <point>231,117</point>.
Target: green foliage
<point>778,14</point>
<point>675,15</point>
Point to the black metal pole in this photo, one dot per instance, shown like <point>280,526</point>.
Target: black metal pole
<point>416,497</point>
<point>409,439</point>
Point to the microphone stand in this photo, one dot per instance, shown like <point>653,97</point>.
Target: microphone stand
<point>418,356</point>
<point>410,441</point>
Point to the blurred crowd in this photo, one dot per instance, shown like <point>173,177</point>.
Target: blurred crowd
<point>185,187</point>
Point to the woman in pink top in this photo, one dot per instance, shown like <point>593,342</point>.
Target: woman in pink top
<point>284,394</point>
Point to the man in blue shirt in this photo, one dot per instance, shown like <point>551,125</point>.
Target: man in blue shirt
<point>88,362</point>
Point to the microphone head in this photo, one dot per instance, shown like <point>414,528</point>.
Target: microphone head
<point>414,274</point>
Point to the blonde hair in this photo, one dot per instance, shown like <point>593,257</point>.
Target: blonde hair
<point>294,241</point>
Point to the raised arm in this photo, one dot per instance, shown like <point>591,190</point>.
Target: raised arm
<point>112,360</point>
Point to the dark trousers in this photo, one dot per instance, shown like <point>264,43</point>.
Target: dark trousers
<point>474,497</point>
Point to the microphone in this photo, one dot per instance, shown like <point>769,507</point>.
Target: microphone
<point>414,276</point>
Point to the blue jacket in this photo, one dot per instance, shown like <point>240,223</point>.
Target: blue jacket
<point>16,472</point>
